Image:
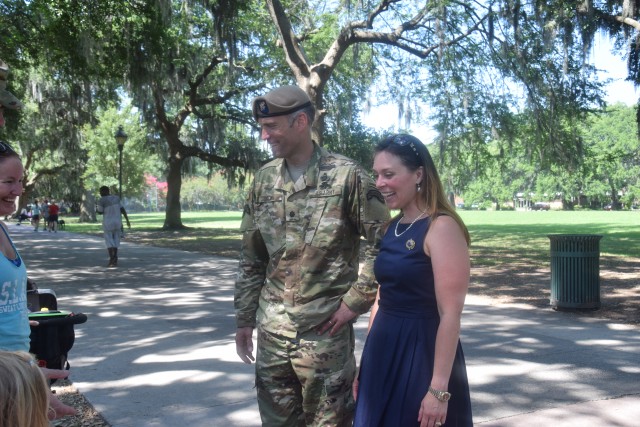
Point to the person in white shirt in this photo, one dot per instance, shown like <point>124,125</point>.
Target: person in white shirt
<point>111,209</point>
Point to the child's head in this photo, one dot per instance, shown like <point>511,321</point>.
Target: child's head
<point>24,394</point>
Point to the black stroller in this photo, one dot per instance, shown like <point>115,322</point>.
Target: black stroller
<point>54,336</point>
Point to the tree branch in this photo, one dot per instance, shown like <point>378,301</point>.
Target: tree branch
<point>618,19</point>
<point>294,54</point>
<point>354,33</point>
<point>45,172</point>
<point>191,151</point>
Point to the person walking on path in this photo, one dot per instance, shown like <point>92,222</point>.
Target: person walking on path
<point>35,215</point>
<point>298,283</point>
<point>52,219</point>
<point>412,371</point>
<point>44,209</point>
<point>112,212</point>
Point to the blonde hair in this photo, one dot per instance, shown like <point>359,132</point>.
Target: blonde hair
<point>24,393</point>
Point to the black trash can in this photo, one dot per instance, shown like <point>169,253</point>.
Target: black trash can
<point>575,271</point>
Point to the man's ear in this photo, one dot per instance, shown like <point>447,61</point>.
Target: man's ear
<point>301,121</point>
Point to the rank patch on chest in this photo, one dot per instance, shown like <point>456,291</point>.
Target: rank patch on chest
<point>375,193</point>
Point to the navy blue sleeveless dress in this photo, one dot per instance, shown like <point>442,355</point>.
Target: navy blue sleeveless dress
<point>397,359</point>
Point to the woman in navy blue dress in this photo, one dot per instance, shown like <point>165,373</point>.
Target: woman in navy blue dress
<point>412,371</point>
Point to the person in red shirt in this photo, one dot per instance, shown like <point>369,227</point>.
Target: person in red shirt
<point>53,217</point>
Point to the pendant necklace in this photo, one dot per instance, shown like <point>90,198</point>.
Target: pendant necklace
<point>407,229</point>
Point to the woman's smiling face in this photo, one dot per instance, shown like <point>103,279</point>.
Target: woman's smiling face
<point>395,181</point>
<point>11,174</point>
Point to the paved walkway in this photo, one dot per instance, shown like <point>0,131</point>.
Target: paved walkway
<point>158,348</point>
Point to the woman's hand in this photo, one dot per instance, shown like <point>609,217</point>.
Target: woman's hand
<point>340,317</point>
<point>433,412</point>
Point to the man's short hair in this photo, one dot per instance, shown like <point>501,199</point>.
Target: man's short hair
<point>104,190</point>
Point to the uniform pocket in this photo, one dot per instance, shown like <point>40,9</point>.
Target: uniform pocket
<point>327,221</point>
<point>268,215</point>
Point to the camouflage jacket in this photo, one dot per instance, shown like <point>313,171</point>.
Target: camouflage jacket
<point>301,244</point>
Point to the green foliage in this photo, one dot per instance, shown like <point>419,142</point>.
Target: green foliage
<point>509,96</point>
<point>199,193</point>
<point>355,142</point>
<point>141,222</point>
<point>614,153</point>
<point>103,163</point>
<point>609,167</point>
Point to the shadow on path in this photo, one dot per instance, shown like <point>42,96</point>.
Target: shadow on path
<point>158,348</point>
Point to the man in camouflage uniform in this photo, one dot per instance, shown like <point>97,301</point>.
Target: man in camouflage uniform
<point>7,100</point>
<point>298,282</point>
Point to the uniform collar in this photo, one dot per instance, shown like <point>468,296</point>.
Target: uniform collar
<point>310,175</point>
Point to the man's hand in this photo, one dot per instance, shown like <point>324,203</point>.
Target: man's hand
<point>244,344</point>
<point>341,316</point>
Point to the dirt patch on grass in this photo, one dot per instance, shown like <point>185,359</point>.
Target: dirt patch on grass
<point>219,242</point>
<point>522,283</point>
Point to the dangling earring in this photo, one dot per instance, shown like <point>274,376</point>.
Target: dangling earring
<point>418,187</point>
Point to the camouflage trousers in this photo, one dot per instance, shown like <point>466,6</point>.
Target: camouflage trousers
<point>306,381</point>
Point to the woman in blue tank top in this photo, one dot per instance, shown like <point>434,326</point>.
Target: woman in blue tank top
<point>412,371</point>
<point>14,323</point>
<point>14,316</point>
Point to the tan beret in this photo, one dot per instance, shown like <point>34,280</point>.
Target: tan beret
<point>281,101</point>
<point>4,70</point>
<point>7,100</point>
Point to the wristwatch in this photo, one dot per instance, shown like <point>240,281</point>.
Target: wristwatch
<point>442,396</point>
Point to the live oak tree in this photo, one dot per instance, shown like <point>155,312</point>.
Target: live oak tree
<point>191,67</point>
<point>544,48</point>
<point>475,64</point>
<point>179,61</point>
<point>46,44</point>
<point>417,28</point>
<point>188,75</point>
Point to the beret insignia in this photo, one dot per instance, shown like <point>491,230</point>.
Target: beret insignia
<point>263,107</point>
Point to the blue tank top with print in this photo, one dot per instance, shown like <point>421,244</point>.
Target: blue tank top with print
<point>14,321</point>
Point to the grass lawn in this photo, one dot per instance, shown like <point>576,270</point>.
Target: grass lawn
<point>523,235</point>
<point>510,251</point>
<point>154,221</point>
<point>497,237</point>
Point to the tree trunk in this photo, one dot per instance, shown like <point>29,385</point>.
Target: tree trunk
<point>87,207</point>
<point>173,219</point>
<point>23,200</point>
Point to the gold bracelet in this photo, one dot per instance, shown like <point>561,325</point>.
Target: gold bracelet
<point>442,396</point>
